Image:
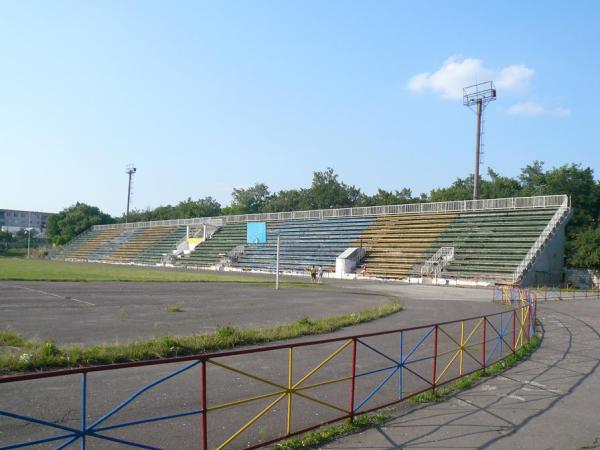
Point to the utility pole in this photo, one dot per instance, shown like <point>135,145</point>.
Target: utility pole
<point>29,235</point>
<point>478,96</point>
<point>277,264</point>
<point>130,171</point>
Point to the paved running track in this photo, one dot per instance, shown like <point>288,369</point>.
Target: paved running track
<point>58,399</point>
<point>550,401</point>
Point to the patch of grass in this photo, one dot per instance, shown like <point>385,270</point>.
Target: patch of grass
<point>466,382</point>
<point>174,308</point>
<point>10,339</point>
<point>16,269</point>
<point>41,356</point>
<point>13,252</point>
<point>323,435</point>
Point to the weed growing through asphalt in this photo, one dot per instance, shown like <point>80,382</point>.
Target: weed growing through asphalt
<point>42,356</point>
<point>174,308</point>
<point>323,435</point>
<point>467,381</point>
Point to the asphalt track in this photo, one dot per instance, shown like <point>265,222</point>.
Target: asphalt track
<point>550,401</point>
<point>109,312</point>
<point>546,402</point>
<point>58,400</point>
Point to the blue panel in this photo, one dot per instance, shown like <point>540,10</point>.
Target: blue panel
<point>256,233</point>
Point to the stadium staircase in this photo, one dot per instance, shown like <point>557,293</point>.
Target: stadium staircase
<point>213,250</point>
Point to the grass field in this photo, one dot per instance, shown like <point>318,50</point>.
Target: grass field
<point>19,269</point>
<point>27,355</point>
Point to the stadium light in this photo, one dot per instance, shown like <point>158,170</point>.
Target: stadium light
<point>130,171</point>
<point>478,96</point>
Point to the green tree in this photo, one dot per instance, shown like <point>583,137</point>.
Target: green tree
<point>383,197</point>
<point>290,200</point>
<point>327,191</point>
<point>461,189</point>
<point>204,207</point>
<point>495,186</point>
<point>6,238</point>
<point>500,187</point>
<point>71,221</point>
<point>570,179</point>
<point>249,200</point>
<point>585,248</point>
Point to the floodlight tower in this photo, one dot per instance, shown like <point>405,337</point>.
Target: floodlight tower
<point>130,171</point>
<point>478,96</point>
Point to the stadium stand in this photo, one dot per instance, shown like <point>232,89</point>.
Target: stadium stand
<point>304,243</point>
<point>490,239</point>
<point>395,244</point>
<point>155,251</point>
<point>218,247</point>
<point>491,244</point>
<point>82,247</point>
<point>147,241</point>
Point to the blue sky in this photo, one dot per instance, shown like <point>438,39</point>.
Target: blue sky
<point>207,96</point>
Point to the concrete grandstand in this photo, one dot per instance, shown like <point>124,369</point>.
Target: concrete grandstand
<point>513,240</point>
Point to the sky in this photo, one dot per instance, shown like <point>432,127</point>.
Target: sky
<point>206,96</point>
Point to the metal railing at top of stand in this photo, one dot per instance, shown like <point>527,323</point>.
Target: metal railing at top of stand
<point>544,201</point>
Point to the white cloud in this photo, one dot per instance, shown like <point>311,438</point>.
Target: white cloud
<point>535,110</point>
<point>456,73</point>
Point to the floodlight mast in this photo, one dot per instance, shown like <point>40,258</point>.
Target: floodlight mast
<point>130,171</point>
<point>478,96</point>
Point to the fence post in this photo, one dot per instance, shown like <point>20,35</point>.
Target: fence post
<point>83,410</point>
<point>204,409</point>
<point>528,322</point>
<point>400,374</point>
<point>514,336</point>
<point>290,384</point>
<point>484,341</point>
<point>352,380</point>
<point>435,352</point>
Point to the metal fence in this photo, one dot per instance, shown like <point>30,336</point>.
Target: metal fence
<point>252,397</point>
<point>519,296</point>
<point>545,201</point>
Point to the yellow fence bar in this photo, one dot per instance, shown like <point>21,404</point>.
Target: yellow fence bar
<point>325,361</point>
<point>254,419</point>
<point>289,395</point>
<point>461,348</point>
<point>246,374</point>
<point>462,343</point>
<point>245,400</point>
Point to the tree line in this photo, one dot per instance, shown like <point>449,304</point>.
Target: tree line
<point>328,191</point>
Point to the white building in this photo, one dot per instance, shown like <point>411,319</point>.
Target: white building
<point>15,220</point>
